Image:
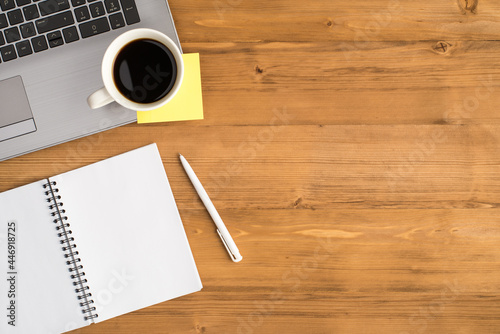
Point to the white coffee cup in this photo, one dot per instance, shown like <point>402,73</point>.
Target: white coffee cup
<point>110,91</point>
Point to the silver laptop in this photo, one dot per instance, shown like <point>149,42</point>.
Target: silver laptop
<point>51,52</point>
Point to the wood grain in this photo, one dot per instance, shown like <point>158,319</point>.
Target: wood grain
<point>355,21</point>
<point>352,149</point>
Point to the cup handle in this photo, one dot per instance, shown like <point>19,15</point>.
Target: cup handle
<point>99,98</point>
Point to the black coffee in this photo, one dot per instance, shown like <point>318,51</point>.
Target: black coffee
<point>144,71</point>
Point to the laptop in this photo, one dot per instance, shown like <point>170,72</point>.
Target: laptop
<point>50,62</point>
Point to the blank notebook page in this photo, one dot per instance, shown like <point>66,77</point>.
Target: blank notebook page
<point>45,298</point>
<point>128,232</point>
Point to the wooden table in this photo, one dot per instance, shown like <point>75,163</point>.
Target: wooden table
<point>353,150</point>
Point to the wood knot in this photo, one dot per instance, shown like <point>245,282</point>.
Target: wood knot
<point>258,70</point>
<point>468,6</point>
<point>297,202</point>
<point>200,329</point>
<point>442,47</point>
<point>329,23</point>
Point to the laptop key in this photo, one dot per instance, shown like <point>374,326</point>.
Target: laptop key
<point>3,21</point>
<point>2,40</point>
<point>55,39</point>
<point>12,35</point>
<point>39,43</point>
<point>77,3</point>
<point>82,14</point>
<point>52,6</point>
<point>112,6</point>
<point>54,22</point>
<point>116,21</point>
<point>24,48</point>
<point>7,4</point>
<point>22,2</point>
<point>130,11</point>
<point>28,30</point>
<point>30,12</point>
<point>8,53</point>
<point>70,34</point>
<point>97,9</point>
<point>94,27</point>
<point>15,17</point>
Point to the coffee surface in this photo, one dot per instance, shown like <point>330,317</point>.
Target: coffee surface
<point>144,71</point>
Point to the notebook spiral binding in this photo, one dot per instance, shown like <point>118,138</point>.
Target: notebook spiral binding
<point>63,229</point>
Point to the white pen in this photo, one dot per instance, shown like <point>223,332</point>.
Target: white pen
<point>221,228</point>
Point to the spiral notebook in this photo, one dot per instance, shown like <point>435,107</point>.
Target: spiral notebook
<point>92,244</point>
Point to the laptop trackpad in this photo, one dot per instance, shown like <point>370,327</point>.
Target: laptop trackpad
<point>16,118</point>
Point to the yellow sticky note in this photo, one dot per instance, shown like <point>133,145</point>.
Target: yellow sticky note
<point>187,104</point>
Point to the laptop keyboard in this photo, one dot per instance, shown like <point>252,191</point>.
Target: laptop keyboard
<point>31,26</point>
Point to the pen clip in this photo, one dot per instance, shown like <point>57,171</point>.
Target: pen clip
<point>234,257</point>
